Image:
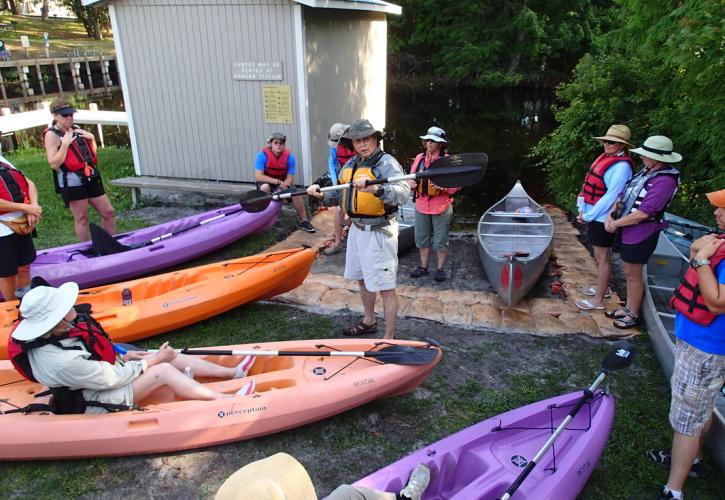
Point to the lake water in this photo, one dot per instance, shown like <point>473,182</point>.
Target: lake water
<point>504,124</point>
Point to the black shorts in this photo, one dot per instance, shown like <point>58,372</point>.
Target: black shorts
<point>15,251</point>
<point>638,253</point>
<point>93,189</point>
<point>598,236</point>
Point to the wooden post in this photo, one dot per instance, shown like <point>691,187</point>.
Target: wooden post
<point>14,139</point>
<point>2,89</point>
<point>40,78</point>
<point>88,72</point>
<point>57,77</point>
<point>99,129</point>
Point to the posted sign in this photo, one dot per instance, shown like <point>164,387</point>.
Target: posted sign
<point>249,70</point>
<point>24,41</point>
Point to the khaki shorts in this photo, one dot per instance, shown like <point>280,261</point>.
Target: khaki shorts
<point>432,230</point>
<point>696,382</point>
<point>372,256</point>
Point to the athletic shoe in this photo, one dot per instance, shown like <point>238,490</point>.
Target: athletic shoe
<point>666,494</point>
<point>244,367</point>
<point>663,458</point>
<point>418,482</point>
<point>247,389</point>
<point>305,226</point>
<point>439,275</point>
<point>418,272</point>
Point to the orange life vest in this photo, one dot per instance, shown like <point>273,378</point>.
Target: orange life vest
<point>424,186</point>
<point>594,187</point>
<point>276,167</point>
<point>687,298</point>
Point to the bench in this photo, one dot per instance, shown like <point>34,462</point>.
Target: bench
<point>172,184</point>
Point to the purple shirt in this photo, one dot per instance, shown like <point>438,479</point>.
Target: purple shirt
<point>660,190</point>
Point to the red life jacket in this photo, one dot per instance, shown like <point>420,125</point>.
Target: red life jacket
<point>424,186</point>
<point>687,298</point>
<point>87,330</point>
<point>594,186</point>
<point>13,185</point>
<point>80,157</point>
<point>343,154</point>
<point>276,167</point>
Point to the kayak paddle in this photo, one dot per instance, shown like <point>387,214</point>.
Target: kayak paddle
<point>620,356</point>
<point>393,354</point>
<point>461,170</point>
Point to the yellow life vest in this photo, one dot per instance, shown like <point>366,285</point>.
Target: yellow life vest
<point>357,203</point>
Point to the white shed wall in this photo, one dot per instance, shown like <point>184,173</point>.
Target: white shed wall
<point>190,118</point>
<point>346,54</point>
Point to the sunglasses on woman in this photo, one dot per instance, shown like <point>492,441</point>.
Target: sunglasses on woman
<point>611,143</point>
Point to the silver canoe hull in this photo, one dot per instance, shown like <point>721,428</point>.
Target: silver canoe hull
<point>514,244</point>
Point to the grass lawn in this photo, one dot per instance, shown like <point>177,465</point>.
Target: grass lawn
<point>65,35</point>
<point>337,449</point>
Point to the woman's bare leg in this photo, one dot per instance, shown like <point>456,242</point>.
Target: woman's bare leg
<point>79,210</point>
<point>103,206</point>
<point>165,374</point>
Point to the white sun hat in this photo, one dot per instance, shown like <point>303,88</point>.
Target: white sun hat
<point>658,147</point>
<point>42,308</point>
<point>436,134</point>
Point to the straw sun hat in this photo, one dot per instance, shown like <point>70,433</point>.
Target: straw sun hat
<point>279,477</point>
<point>43,308</point>
<point>617,133</point>
<point>658,147</point>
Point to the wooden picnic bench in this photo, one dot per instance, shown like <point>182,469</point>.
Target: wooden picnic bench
<point>138,183</point>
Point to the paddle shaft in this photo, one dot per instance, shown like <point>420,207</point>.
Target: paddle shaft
<point>588,394</point>
<point>397,178</point>
<point>705,229</point>
<point>252,352</point>
<point>198,224</point>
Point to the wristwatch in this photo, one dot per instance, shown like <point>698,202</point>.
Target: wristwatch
<point>380,191</point>
<point>699,263</point>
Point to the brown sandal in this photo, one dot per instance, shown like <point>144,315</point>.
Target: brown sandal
<point>361,328</point>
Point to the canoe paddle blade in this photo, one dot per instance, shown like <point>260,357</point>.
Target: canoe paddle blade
<point>254,201</point>
<point>620,356</point>
<point>404,355</point>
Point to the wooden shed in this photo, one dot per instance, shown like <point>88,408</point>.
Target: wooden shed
<point>205,83</point>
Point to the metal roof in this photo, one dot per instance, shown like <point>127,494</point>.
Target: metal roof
<point>368,5</point>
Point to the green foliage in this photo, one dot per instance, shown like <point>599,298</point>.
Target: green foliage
<point>660,72</point>
<point>93,19</point>
<point>494,44</point>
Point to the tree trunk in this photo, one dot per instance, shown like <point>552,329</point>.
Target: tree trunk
<point>96,29</point>
<point>44,11</point>
<point>13,7</point>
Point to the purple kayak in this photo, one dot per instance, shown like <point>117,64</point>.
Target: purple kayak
<point>152,248</point>
<point>481,461</point>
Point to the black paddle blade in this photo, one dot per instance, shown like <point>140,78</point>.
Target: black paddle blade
<point>254,201</point>
<point>404,355</point>
<point>103,243</point>
<point>620,356</point>
<point>479,160</point>
<point>454,177</point>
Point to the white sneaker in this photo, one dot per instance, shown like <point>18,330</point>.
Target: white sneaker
<point>248,388</point>
<point>418,482</point>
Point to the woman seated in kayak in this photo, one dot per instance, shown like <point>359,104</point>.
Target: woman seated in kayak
<point>57,346</point>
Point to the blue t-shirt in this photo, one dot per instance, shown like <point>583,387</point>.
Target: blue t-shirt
<point>710,339</point>
<point>261,161</point>
<point>333,165</point>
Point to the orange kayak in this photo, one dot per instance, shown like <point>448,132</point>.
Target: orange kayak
<point>168,301</point>
<point>290,391</point>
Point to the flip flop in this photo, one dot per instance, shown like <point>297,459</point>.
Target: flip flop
<point>592,291</point>
<point>585,305</point>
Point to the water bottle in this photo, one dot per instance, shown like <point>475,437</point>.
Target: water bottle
<point>189,373</point>
<point>126,298</point>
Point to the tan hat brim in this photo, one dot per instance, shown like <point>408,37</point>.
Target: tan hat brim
<point>277,477</point>
<point>669,158</point>
<point>612,138</point>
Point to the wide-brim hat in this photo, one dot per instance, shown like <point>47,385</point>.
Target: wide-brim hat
<point>335,133</point>
<point>617,133</point>
<point>42,308</point>
<point>279,477</point>
<point>436,134</point>
<point>658,147</point>
<point>717,198</point>
<point>360,129</point>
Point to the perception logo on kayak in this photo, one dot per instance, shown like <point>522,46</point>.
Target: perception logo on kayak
<point>244,411</point>
<point>182,300</point>
<point>519,461</point>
